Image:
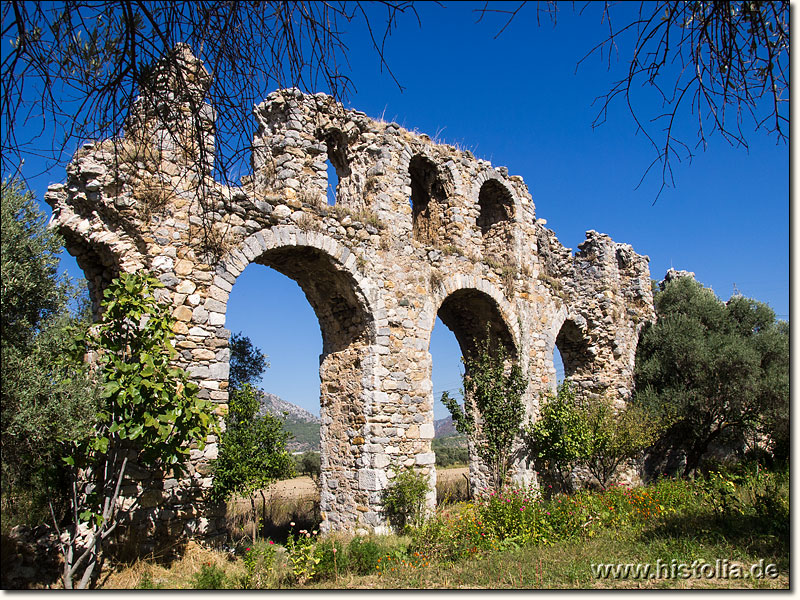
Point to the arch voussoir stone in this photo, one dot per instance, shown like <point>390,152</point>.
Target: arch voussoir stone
<point>376,287</point>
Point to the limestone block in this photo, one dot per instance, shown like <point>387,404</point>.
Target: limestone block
<point>427,431</point>
<point>372,479</point>
<point>428,458</point>
<point>182,313</point>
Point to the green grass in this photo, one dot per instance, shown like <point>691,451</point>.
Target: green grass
<point>517,540</point>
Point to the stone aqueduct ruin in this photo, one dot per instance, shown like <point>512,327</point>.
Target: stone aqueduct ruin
<point>419,229</point>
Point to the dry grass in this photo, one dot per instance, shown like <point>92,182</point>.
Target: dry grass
<point>152,572</point>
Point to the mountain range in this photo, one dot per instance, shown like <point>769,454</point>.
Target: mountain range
<point>304,426</point>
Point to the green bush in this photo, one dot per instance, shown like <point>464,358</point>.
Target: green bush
<point>452,535</point>
<point>516,515</point>
<point>333,558</point>
<point>258,561</point>
<point>210,577</point>
<point>404,500</point>
<point>772,504</point>
<point>363,555</point>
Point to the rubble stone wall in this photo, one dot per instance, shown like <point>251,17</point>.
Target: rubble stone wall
<point>419,229</point>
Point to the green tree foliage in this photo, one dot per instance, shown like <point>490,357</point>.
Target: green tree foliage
<point>616,435</point>
<point>308,463</point>
<point>252,451</point>
<point>149,414</point>
<point>404,499</point>
<point>493,409</point>
<point>247,363</point>
<point>559,440</point>
<point>587,432</point>
<point>43,400</point>
<point>718,372</point>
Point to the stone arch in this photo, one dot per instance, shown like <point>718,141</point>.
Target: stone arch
<point>488,300</point>
<point>349,314</point>
<point>496,206</point>
<point>571,337</point>
<point>466,305</point>
<point>98,262</point>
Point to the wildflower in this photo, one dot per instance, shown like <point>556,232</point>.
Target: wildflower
<point>292,524</point>
<point>334,551</point>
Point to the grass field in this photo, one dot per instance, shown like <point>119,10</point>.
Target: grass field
<point>516,540</point>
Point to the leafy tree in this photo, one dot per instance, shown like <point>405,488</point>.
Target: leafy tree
<point>493,408</point>
<point>149,414</point>
<point>587,432</point>
<point>252,451</point>
<point>43,400</point>
<point>616,436</point>
<point>308,463</point>
<point>718,62</point>
<point>247,363</point>
<point>718,372</point>
<point>31,288</point>
<point>560,439</point>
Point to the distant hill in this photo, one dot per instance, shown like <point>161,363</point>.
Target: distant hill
<point>445,434</point>
<point>303,425</point>
<point>444,427</point>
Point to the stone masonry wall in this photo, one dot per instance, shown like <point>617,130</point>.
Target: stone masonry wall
<point>418,229</point>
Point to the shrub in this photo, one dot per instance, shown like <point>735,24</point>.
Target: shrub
<point>404,500</point>
<point>302,555</point>
<point>514,514</point>
<point>452,535</point>
<point>210,577</point>
<point>333,558</point>
<point>364,555</point>
<point>258,561</point>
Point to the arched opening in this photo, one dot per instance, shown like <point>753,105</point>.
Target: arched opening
<point>428,196</point>
<point>496,213</point>
<point>302,303</point>
<point>338,165</point>
<point>449,446</point>
<point>99,266</point>
<point>472,315</point>
<point>573,350</point>
<point>558,365</point>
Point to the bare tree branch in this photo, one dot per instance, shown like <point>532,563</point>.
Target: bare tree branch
<point>720,62</point>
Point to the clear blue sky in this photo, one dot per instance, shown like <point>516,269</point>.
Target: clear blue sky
<point>519,102</point>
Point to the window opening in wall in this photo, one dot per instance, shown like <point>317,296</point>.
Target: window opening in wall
<point>573,350</point>
<point>496,205</point>
<point>558,363</point>
<point>428,195</point>
<point>333,183</point>
<point>338,166</point>
<point>450,447</point>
